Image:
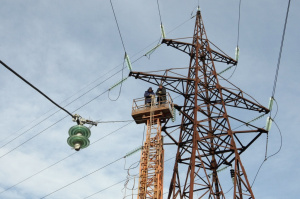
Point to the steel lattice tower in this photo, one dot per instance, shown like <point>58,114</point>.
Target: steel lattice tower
<point>206,139</point>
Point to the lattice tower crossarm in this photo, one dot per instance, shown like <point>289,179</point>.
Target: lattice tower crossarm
<point>206,140</point>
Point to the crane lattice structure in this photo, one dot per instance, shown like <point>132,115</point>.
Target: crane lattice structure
<point>152,157</point>
<point>206,139</point>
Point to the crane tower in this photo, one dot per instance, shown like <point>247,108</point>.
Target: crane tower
<point>206,139</point>
<point>152,157</point>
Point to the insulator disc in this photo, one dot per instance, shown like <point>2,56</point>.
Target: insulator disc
<point>78,139</point>
<point>84,131</point>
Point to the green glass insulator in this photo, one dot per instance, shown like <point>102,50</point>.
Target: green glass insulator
<point>78,142</point>
<point>80,129</point>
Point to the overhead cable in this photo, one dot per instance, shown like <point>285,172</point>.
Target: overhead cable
<point>83,95</point>
<point>112,7</point>
<point>32,86</point>
<point>61,160</point>
<point>270,119</point>
<point>280,51</point>
<point>107,188</point>
<point>237,49</point>
<point>115,121</point>
<point>56,121</point>
<point>59,110</point>
<point>239,20</point>
<point>269,155</point>
<point>116,184</point>
<point>11,150</point>
<point>119,83</point>
<point>159,11</point>
<point>83,177</point>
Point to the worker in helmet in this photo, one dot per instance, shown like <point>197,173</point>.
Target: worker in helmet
<point>148,94</point>
<point>161,94</point>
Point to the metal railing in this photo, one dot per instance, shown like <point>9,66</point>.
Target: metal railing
<point>140,104</point>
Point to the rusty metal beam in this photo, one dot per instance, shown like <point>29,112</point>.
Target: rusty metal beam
<point>206,139</point>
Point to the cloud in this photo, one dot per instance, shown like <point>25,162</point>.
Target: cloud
<point>61,46</point>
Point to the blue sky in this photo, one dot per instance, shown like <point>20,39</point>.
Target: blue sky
<point>66,48</point>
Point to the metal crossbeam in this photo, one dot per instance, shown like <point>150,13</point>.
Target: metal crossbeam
<point>206,139</point>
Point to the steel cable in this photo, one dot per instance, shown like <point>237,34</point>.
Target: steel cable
<point>116,184</point>
<point>280,51</point>
<point>61,160</point>
<point>83,177</point>
<point>59,110</point>
<point>270,155</point>
<point>86,86</point>
<point>35,88</point>
<point>112,7</point>
<point>238,37</point>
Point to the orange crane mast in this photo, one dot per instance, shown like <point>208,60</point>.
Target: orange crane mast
<point>152,156</point>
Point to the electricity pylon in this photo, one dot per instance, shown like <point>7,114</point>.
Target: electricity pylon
<point>206,139</point>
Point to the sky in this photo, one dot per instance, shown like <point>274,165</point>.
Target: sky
<point>71,50</point>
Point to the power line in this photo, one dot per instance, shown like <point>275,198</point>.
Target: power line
<point>83,177</point>
<point>107,188</point>
<point>11,150</point>
<point>31,176</point>
<point>116,184</point>
<point>159,12</point>
<point>68,103</point>
<point>125,57</point>
<point>238,36</point>
<point>52,125</point>
<point>110,133</point>
<point>273,94</point>
<point>238,39</point>
<point>57,121</point>
<point>181,24</point>
<point>112,7</point>
<point>228,190</point>
<point>49,126</point>
<point>280,142</point>
<point>64,101</point>
<point>32,86</point>
<point>120,90</point>
<point>58,110</point>
<point>27,82</point>
<point>280,51</point>
<point>73,101</point>
<point>61,160</point>
<point>28,130</point>
<point>90,84</point>
<point>115,121</point>
<point>96,80</point>
<point>270,155</point>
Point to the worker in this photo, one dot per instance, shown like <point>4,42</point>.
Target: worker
<point>148,94</point>
<point>161,94</point>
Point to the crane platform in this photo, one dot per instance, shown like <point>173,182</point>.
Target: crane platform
<point>162,109</point>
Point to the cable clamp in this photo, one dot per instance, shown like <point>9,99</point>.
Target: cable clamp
<point>81,121</point>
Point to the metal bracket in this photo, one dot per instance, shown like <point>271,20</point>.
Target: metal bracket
<point>81,121</point>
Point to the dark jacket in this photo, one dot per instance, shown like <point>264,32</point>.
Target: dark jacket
<point>161,94</point>
<point>147,96</point>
